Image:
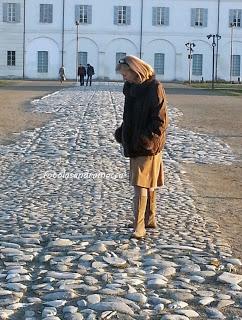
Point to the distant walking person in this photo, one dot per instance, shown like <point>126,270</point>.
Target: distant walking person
<point>81,73</point>
<point>62,74</point>
<point>90,73</point>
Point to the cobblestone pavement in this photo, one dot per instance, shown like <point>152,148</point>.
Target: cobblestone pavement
<point>65,202</point>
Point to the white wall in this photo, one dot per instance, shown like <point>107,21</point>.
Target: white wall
<point>11,39</point>
<point>102,39</point>
<point>42,44</point>
<point>117,45</point>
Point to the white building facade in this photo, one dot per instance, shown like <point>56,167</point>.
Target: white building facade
<point>38,36</point>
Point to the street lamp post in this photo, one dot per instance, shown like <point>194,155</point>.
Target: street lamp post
<point>77,38</point>
<point>218,26</point>
<point>213,36</point>
<point>190,46</point>
<point>232,25</point>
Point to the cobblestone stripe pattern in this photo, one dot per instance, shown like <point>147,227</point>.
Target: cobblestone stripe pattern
<point>65,202</point>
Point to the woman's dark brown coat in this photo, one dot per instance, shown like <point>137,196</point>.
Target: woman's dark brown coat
<point>143,131</point>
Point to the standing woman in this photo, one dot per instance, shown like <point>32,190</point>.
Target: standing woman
<point>142,135</point>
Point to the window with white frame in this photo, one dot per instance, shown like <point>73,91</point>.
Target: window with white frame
<point>83,14</point>
<point>236,65</point>
<point>235,16</point>
<point>46,13</point>
<point>159,63</point>
<point>122,15</point>
<point>11,58</point>
<point>160,16</point>
<point>199,17</point>
<point>82,58</point>
<point>11,12</point>
<point>197,64</point>
<point>42,61</point>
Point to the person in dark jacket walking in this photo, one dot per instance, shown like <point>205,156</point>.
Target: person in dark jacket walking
<point>81,73</point>
<point>142,135</point>
<point>90,73</point>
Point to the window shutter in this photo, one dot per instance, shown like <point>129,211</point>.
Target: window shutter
<point>82,58</point>
<point>128,15</point>
<point>115,16</point>
<point>38,63</point>
<point>205,17</point>
<point>197,64</point>
<point>41,14</point>
<point>166,16</point>
<point>231,16</point>
<point>154,16</point>
<point>236,66</point>
<point>5,12</point>
<point>17,12</point>
<point>193,16</point>
<point>159,63</point>
<point>239,24</point>
<point>77,13</point>
<point>89,14</point>
<point>50,18</point>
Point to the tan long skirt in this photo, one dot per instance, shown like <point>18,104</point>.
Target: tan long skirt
<point>147,172</point>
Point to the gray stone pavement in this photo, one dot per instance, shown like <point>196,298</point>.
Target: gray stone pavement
<point>65,202</point>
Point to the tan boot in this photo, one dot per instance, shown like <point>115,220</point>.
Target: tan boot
<point>150,212</point>
<point>139,217</point>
